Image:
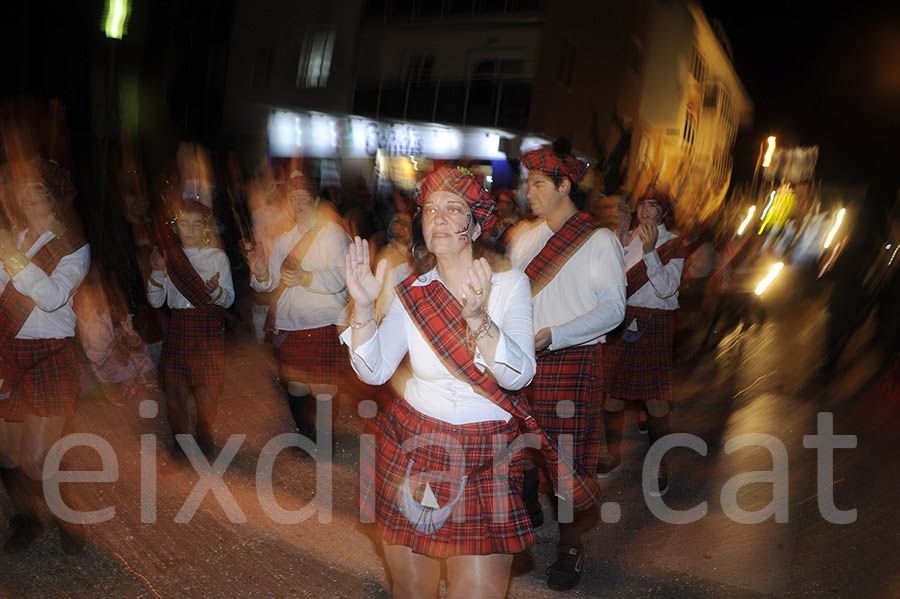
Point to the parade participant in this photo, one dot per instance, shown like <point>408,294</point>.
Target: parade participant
<point>638,358</point>
<point>469,336</point>
<point>578,291</point>
<point>304,269</point>
<point>194,280</point>
<point>42,268</point>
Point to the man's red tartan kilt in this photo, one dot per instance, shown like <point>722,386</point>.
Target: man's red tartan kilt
<point>313,356</point>
<point>642,370</point>
<point>49,378</point>
<point>573,374</point>
<point>193,351</point>
<point>476,526</point>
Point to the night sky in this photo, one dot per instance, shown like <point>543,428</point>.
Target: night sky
<point>825,74</point>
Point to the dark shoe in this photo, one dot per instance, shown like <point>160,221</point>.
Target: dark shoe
<point>25,530</point>
<point>565,573</point>
<point>606,465</point>
<point>71,539</point>
<point>662,481</point>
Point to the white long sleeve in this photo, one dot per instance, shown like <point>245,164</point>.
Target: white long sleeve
<point>661,290</point>
<point>207,262</point>
<point>53,316</point>
<point>433,389</point>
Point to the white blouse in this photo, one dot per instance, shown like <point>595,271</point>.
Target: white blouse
<point>586,298</point>
<point>207,262</point>
<point>53,316</point>
<point>434,390</point>
<point>324,302</point>
<point>661,291</point>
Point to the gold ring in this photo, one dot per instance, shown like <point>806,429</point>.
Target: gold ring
<point>479,291</point>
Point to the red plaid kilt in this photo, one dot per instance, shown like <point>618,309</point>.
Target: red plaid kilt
<point>572,374</point>
<point>193,351</point>
<point>313,356</point>
<point>642,370</point>
<point>476,526</point>
<point>49,378</point>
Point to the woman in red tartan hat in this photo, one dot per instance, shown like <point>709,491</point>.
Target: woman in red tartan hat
<point>468,333</point>
<point>638,356</point>
<point>194,280</point>
<point>42,268</point>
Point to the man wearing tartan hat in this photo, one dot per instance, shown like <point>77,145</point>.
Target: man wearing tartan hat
<point>577,278</point>
<point>638,357</point>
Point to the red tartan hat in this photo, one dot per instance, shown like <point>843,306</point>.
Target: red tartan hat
<point>546,160</point>
<point>660,197</point>
<point>460,182</point>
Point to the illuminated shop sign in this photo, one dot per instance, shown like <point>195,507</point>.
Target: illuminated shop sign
<point>325,136</point>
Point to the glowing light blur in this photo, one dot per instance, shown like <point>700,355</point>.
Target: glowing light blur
<point>773,272</point>
<point>767,159</point>
<point>891,261</point>
<point>115,21</point>
<point>768,205</point>
<point>837,224</point>
<point>746,220</point>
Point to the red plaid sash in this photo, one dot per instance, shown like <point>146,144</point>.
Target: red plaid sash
<point>438,317</point>
<point>637,274</point>
<point>182,274</point>
<point>293,260</point>
<point>559,248</point>
<point>15,307</point>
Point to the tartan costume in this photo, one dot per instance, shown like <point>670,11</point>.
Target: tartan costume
<point>571,373</point>
<point>476,526</point>
<point>39,374</point>
<point>312,355</point>
<point>193,351</point>
<point>638,360</point>
<point>545,160</point>
<point>641,370</point>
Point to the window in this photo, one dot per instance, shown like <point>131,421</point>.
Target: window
<point>698,66</point>
<point>315,59</point>
<point>566,63</point>
<point>711,96</point>
<point>690,127</point>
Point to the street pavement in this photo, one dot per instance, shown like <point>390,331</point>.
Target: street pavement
<point>757,381</point>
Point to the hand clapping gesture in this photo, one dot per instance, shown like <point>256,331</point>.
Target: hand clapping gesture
<point>256,259</point>
<point>476,289</point>
<point>648,234</point>
<point>363,286</point>
<point>212,284</point>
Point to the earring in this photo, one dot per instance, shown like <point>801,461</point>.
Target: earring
<point>206,236</point>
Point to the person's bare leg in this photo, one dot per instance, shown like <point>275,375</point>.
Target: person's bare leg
<point>478,576</point>
<point>413,575</point>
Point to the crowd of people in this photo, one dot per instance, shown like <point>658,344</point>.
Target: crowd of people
<point>479,322</point>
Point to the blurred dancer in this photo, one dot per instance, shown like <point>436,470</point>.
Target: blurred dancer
<point>194,280</point>
<point>304,270</point>
<point>638,357</point>
<point>578,291</point>
<point>42,268</point>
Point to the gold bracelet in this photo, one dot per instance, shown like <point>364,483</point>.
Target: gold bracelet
<point>361,325</point>
<point>153,282</point>
<point>218,295</point>
<point>265,278</point>
<point>16,263</point>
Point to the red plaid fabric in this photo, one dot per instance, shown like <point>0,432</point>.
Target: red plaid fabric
<point>462,183</point>
<point>15,307</point>
<point>641,370</point>
<point>182,274</point>
<point>559,248</point>
<point>438,317</point>
<point>313,356</point>
<point>193,351</point>
<point>490,517</point>
<point>571,374</point>
<point>637,274</point>
<point>46,374</point>
<point>545,160</point>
